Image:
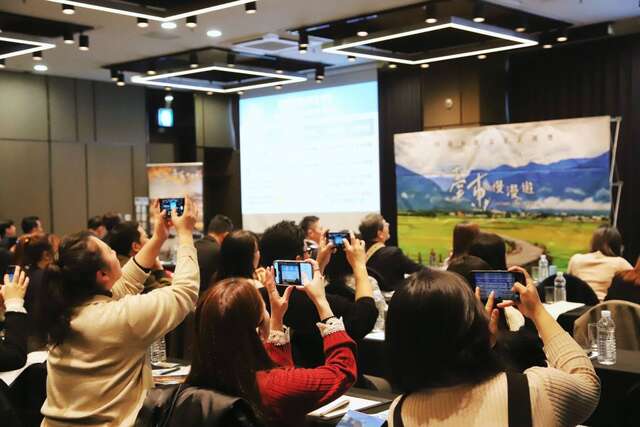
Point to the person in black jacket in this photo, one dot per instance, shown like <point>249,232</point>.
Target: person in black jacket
<point>285,241</point>
<point>208,249</point>
<point>13,350</point>
<point>388,261</point>
<point>626,286</point>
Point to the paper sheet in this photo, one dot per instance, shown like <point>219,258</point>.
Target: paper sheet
<point>34,357</point>
<point>558,308</point>
<point>375,336</point>
<point>355,404</point>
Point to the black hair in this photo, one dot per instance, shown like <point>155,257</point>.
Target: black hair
<point>284,240</point>
<point>338,267</point>
<point>220,224</point>
<point>110,220</point>
<point>236,255</point>
<point>95,222</point>
<point>607,239</point>
<point>29,223</point>
<point>4,226</point>
<point>491,248</point>
<point>66,284</point>
<point>369,228</point>
<point>437,334</point>
<point>464,265</point>
<point>307,222</point>
<point>122,236</point>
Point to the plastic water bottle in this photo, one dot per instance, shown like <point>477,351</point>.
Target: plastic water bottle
<point>606,339</point>
<point>559,288</point>
<point>381,305</point>
<point>543,267</point>
<point>158,352</point>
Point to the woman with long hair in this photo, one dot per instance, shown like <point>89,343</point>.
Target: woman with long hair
<point>239,256</point>
<point>439,339</point>
<point>99,327</point>
<point>599,266</point>
<point>241,350</point>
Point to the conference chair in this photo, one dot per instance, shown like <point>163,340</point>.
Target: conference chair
<point>625,315</point>
<point>577,290</point>
<point>631,408</point>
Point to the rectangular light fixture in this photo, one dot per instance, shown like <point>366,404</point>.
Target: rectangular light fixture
<point>121,8</point>
<point>37,46</point>
<point>359,47</point>
<point>157,80</point>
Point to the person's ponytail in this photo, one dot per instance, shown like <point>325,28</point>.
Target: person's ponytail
<point>66,284</point>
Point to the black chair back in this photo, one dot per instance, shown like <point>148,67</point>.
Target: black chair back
<point>577,290</point>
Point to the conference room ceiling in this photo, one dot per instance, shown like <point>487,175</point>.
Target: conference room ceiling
<point>117,39</point>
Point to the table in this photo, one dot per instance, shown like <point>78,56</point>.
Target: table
<point>384,398</point>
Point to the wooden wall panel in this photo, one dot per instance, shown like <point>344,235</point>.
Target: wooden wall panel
<point>62,109</point>
<point>86,114</point>
<point>23,110</point>
<point>120,114</point>
<point>109,179</point>
<point>24,174</point>
<point>69,187</point>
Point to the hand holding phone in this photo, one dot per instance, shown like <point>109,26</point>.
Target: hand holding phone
<point>169,204</point>
<point>291,272</point>
<point>15,285</point>
<point>337,238</point>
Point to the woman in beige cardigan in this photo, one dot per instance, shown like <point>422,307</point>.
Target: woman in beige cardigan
<point>440,340</point>
<point>99,326</point>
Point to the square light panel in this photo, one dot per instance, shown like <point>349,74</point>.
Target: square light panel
<point>218,79</point>
<point>422,44</point>
<point>182,9</point>
<point>12,46</point>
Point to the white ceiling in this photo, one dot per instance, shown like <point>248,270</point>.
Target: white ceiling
<point>116,38</point>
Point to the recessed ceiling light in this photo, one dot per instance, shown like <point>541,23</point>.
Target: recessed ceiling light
<point>521,29</point>
<point>562,39</point>
<point>168,98</point>
<point>431,20</point>
<point>83,42</point>
<point>40,67</point>
<point>114,74</point>
<point>547,46</point>
<point>392,66</point>
<point>192,21</point>
<point>251,7</point>
<point>143,22</point>
<point>362,33</point>
<point>151,72</point>
<point>278,87</point>
<point>478,13</point>
<point>209,93</point>
<point>170,25</point>
<point>279,71</point>
<point>120,82</point>
<point>424,65</point>
<point>240,92</point>
<point>167,88</point>
<point>67,9</point>
<point>68,38</point>
<point>482,56</point>
<point>37,56</point>
<point>214,33</point>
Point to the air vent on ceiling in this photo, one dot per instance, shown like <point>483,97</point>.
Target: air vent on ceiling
<point>269,43</point>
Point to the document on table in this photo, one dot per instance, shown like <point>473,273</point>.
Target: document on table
<point>558,308</point>
<point>343,404</point>
<point>34,357</point>
<point>375,336</point>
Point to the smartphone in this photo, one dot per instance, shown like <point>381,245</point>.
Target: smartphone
<point>167,205</point>
<point>337,238</point>
<point>498,281</point>
<point>291,272</point>
<point>11,271</point>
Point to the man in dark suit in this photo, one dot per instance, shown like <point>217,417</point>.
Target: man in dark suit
<point>389,262</point>
<point>208,249</point>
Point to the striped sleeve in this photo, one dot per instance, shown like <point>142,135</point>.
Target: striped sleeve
<point>571,383</point>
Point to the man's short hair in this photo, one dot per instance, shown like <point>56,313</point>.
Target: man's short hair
<point>220,224</point>
<point>29,223</point>
<point>370,226</point>
<point>307,222</point>
<point>110,220</point>
<point>4,226</point>
<point>94,222</point>
<point>122,236</point>
<point>284,240</point>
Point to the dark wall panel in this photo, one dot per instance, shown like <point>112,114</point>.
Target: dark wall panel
<point>214,124</point>
<point>110,180</point>
<point>23,110</point>
<point>69,187</point>
<point>62,109</point>
<point>120,114</point>
<point>24,174</point>
<point>86,114</point>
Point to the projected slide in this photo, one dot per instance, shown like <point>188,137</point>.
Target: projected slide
<point>310,152</point>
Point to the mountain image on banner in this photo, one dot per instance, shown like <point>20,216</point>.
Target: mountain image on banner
<point>570,186</point>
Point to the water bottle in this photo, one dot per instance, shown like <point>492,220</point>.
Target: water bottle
<point>381,305</point>
<point>543,267</point>
<point>158,352</point>
<point>606,339</point>
<point>559,288</point>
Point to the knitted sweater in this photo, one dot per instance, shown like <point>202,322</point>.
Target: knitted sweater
<point>565,394</point>
<point>100,374</point>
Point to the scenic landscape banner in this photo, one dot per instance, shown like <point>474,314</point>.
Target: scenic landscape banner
<point>511,179</point>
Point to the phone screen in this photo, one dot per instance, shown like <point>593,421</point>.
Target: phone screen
<point>292,272</point>
<point>11,272</point>
<point>167,205</point>
<point>337,238</point>
<point>500,282</point>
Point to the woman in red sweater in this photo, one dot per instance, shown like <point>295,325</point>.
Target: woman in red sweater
<point>241,351</point>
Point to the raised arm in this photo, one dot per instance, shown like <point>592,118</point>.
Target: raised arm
<point>356,255</point>
<point>13,350</point>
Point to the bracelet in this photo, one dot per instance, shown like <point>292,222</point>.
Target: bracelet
<point>146,270</point>
<point>327,319</point>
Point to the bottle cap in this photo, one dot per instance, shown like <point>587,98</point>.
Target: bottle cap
<point>559,274</point>
<point>605,313</point>
<point>543,256</point>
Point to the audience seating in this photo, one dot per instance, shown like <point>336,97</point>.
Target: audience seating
<point>626,316</point>
<point>577,290</point>
<point>631,407</point>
